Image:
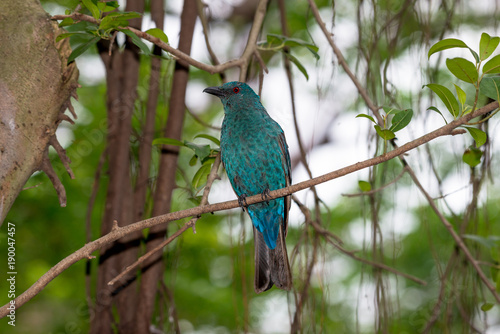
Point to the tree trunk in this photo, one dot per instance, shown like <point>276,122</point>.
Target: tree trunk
<point>35,88</point>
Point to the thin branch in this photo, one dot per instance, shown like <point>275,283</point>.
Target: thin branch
<point>119,232</point>
<point>212,69</point>
<point>46,167</point>
<point>460,243</point>
<point>191,223</point>
<point>343,63</point>
<point>330,237</point>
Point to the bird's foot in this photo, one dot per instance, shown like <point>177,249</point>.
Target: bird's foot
<point>242,201</point>
<point>265,195</point>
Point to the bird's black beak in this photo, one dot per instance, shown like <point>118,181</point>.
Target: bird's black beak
<point>214,91</point>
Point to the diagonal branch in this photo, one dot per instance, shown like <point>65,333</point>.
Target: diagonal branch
<point>87,250</point>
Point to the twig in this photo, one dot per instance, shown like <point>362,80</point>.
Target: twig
<point>46,167</point>
<point>190,224</point>
<point>118,233</point>
<point>337,244</point>
<point>460,243</point>
<point>212,69</point>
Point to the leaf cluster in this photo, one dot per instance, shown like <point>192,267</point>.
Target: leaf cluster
<point>109,21</point>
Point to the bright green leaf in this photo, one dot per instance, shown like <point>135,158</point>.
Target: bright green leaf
<point>211,138</point>
<point>448,43</point>
<point>490,87</point>
<point>492,66</point>
<point>82,48</point>
<point>69,34</point>
<point>438,111</point>
<point>202,151</point>
<point>447,97</point>
<point>193,160</point>
<point>401,119</point>
<point>168,141</point>
<point>200,177</point>
<point>486,307</point>
<point>384,133</point>
<point>158,33</point>
<point>487,45</point>
<point>92,8</point>
<point>66,22</point>
<point>298,64</point>
<point>460,94</point>
<point>478,135</point>
<point>366,116</point>
<point>472,156</point>
<point>364,186</point>
<point>136,40</point>
<point>462,69</point>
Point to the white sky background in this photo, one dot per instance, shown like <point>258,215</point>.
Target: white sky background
<point>329,115</point>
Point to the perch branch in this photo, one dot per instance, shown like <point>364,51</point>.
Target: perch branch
<point>88,249</point>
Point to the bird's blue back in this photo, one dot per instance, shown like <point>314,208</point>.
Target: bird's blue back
<point>255,155</point>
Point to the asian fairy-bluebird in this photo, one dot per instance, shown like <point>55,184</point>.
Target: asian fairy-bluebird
<point>255,156</point>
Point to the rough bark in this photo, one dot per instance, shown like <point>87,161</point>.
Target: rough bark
<point>35,87</point>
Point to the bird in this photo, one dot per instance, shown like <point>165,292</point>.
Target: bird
<point>255,156</point>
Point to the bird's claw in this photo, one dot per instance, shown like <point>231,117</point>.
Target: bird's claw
<point>265,195</point>
<point>242,201</point>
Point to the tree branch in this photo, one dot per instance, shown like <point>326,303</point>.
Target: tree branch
<point>87,250</point>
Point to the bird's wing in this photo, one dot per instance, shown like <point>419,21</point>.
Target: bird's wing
<point>285,159</point>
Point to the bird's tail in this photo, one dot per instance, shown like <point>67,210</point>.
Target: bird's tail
<point>271,265</point>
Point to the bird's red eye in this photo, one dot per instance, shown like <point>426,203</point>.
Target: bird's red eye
<point>236,90</point>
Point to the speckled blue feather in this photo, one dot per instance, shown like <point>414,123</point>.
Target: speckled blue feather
<point>255,155</point>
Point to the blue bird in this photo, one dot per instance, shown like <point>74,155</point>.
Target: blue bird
<point>255,155</point>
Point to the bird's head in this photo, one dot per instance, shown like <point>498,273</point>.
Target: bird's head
<point>233,93</point>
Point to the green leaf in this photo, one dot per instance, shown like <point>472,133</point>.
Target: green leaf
<point>92,8</point>
<point>439,112</point>
<point>201,151</point>
<point>298,64</point>
<point>384,133</point>
<point>82,48</point>
<point>158,33</point>
<point>492,66</point>
<point>111,22</point>
<point>107,6</point>
<point>463,69</point>
<point>167,141</point>
<point>193,160</point>
<point>448,43</point>
<point>200,177</point>
<point>137,41</point>
<point>472,156</point>
<point>69,34</point>
<point>460,94</point>
<point>478,135</point>
<point>486,242</point>
<point>490,87</point>
<point>486,307</point>
<point>447,97</point>
<point>401,119</point>
<point>66,22</point>
<point>364,186</point>
<point>366,116</point>
<point>211,138</point>
<point>487,45</point>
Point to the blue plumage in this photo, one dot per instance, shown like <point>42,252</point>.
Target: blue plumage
<point>255,156</point>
